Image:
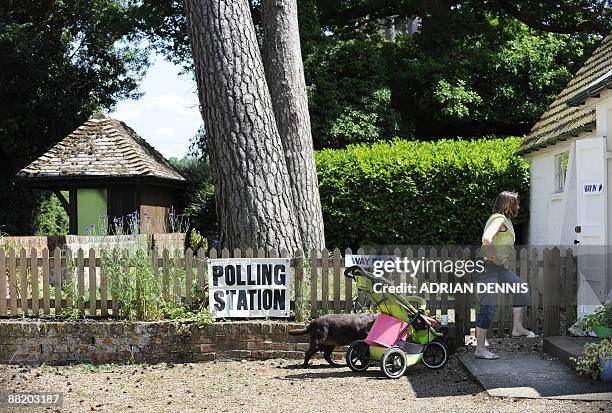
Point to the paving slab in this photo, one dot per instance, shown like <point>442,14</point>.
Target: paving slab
<point>533,375</point>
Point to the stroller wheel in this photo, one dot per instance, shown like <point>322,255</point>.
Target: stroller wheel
<point>393,363</point>
<point>435,355</point>
<point>358,356</point>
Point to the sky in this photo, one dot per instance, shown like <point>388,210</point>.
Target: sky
<point>167,115</point>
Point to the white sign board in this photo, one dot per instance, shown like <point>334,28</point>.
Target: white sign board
<point>249,287</point>
<point>366,261</point>
<point>592,188</point>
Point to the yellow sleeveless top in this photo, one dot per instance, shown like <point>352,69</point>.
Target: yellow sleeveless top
<point>503,240</point>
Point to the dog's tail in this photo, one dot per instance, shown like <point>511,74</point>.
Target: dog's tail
<point>300,331</point>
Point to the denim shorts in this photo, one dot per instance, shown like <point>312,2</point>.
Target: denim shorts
<point>487,302</point>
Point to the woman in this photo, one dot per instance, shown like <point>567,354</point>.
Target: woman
<point>498,245</point>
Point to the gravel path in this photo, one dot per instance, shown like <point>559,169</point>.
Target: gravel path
<point>268,386</point>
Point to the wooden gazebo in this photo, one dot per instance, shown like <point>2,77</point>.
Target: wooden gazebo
<point>108,170</point>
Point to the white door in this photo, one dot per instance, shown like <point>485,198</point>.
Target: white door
<point>591,219</point>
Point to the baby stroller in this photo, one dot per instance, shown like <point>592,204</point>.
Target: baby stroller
<point>401,335</point>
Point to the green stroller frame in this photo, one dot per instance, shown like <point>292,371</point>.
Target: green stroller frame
<point>422,340</point>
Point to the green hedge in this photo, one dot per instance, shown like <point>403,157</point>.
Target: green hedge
<point>416,193</point>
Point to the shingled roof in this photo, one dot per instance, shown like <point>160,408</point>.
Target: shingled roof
<point>564,117</point>
<point>101,147</point>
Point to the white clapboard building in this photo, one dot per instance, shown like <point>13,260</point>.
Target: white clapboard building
<point>569,151</point>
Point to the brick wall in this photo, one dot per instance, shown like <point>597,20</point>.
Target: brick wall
<point>99,342</point>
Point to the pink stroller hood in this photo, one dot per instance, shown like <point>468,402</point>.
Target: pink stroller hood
<point>385,331</point>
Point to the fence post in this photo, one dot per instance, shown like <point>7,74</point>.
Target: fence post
<point>299,294</point>
<point>165,275</point>
<point>551,291</point>
<point>2,284</point>
<point>337,274</point>
<point>23,272</point>
<point>104,291</point>
<point>188,275</point>
<point>34,277</point>
<point>524,274</point>
<point>81,281</point>
<point>570,286</point>
<point>12,281</point>
<point>46,272</point>
<point>325,279</point>
<point>201,264</point>
<point>57,273</point>
<point>313,282</point>
<point>460,307</point>
<point>555,293</point>
<point>92,282</point>
<point>535,291</point>
<point>348,288</point>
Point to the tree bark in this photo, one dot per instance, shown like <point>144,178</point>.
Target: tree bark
<point>252,189</point>
<point>285,75</point>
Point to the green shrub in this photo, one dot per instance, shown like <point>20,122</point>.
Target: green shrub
<point>601,317</point>
<point>408,192</point>
<point>50,217</point>
<point>589,362</point>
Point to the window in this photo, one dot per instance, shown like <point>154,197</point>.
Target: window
<point>560,170</point>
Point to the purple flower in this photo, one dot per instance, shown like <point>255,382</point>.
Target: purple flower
<point>87,229</point>
<point>93,225</point>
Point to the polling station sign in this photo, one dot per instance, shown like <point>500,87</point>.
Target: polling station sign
<point>249,287</point>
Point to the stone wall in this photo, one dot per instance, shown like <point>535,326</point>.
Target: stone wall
<point>30,342</point>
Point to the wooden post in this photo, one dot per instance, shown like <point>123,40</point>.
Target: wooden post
<point>165,275</point>
<point>570,287</point>
<point>524,274</point>
<point>12,281</point>
<point>92,282</point>
<point>188,276</point>
<point>104,292</point>
<point>3,310</point>
<point>337,274</point>
<point>555,292</point>
<point>459,303</point>
<point>23,272</point>
<point>46,274</point>
<point>81,281</point>
<point>444,280</point>
<point>547,296</point>
<point>325,279</point>
<point>57,275</point>
<point>114,292</point>
<point>348,288</point>
<point>433,278</point>
<point>34,278</point>
<point>313,282</point>
<point>201,268</point>
<point>299,279</point>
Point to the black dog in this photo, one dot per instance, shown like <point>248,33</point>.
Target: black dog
<point>331,330</point>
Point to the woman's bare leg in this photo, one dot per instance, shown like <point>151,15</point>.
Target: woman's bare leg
<point>517,327</point>
<point>481,337</point>
<point>481,351</point>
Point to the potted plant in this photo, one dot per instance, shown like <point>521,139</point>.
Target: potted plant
<point>597,360</point>
<point>600,322</point>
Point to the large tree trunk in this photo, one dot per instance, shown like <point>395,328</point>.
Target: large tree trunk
<point>252,188</point>
<point>285,74</point>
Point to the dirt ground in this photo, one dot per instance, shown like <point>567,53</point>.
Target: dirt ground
<point>269,386</point>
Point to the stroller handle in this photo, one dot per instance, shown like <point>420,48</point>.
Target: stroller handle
<point>348,272</point>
